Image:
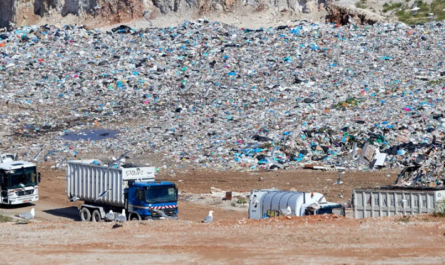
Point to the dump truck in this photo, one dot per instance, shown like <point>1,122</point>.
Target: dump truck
<point>130,188</point>
<point>395,200</point>
<point>268,203</point>
<point>19,180</point>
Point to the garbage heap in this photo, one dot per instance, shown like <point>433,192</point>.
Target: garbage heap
<point>425,169</point>
<point>210,95</point>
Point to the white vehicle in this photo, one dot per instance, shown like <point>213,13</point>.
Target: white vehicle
<point>19,181</point>
<point>7,157</point>
<point>270,202</point>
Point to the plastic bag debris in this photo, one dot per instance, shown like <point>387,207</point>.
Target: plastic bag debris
<point>209,95</point>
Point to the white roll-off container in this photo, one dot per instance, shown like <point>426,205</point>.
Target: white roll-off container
<point>87,181</point>
<point>261,201</point>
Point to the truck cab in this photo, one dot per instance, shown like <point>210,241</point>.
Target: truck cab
<point>145,200</point>
<point>7,157</point>
<point>19,182</point>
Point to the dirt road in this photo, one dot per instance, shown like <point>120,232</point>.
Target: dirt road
<point>315,240</point>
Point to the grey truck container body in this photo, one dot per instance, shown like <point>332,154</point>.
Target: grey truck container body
<point>87,181</point>
<point>391,202</point>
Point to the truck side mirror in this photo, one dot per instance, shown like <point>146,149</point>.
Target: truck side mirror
<point>38,177</point>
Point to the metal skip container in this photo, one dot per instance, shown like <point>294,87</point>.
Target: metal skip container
<point>391,201</point>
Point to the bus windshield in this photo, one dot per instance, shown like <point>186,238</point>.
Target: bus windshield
<point>21,178</point>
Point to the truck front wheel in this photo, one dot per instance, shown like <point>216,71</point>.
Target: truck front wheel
<point>85,214</point>
<point>134,217</point>
<point>95,217</point>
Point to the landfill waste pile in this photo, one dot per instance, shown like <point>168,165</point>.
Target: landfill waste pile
<point>210,95</point>
<point>424,170</point>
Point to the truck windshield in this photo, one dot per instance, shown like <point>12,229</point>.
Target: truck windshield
<point>20,178</point>
<point>160,194</point>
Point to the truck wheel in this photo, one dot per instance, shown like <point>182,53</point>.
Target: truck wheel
<point>95,217</point>
<point>85,214</point>
<point>134,217</point>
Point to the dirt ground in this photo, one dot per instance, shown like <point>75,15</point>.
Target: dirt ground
<point>57,236</point>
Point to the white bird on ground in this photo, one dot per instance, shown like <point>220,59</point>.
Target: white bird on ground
<point>313,207</point>
<point>340,195</point>
<point>109,216</point>
<point>339,181</point>
<point>286,211</point>
<point>209,218</point>
<point>388,175</point>
<point>316,205</point>
<point>120,220</point>
<point>27,216</point>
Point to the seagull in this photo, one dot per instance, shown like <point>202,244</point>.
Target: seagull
<point>431,16</point>
<point>161,213</point>
<point>396,10</point>
<point>286,211</point>
<point>122,157</point>
<point>27,216</point>
<point>350,20</point>
<point>338,182</point>
<point>414,8</point>
<point>260,178</point>
<point>109,216</point>
<point>38,154</point>
<point>209,218</point>
<point>103,194</point>
<point>313,207</point>
<point>340,195</point>
<point>316,205</point>
<point>74,198</point>
<point>402,201</point>
<point>61,163</point>
<point>45,158</point>
<point>120,220</point>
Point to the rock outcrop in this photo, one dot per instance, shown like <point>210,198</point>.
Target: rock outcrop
<point>101,12</point>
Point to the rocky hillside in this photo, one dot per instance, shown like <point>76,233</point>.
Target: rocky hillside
<point>109,12</point>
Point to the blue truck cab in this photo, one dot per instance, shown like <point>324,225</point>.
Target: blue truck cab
<point>151,200</point>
